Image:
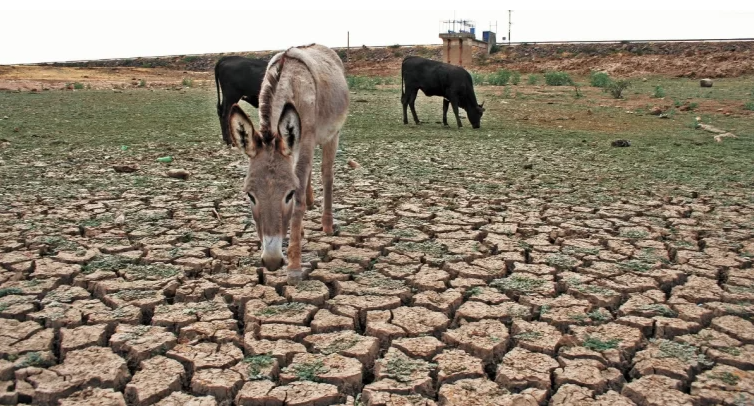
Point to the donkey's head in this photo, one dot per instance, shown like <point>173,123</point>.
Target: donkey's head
<point>475,114</point>
<point>271,182</point>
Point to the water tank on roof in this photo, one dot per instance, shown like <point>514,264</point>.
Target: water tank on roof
<point>473,31</point>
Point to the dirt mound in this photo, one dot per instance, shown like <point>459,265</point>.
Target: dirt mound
<point>681,59</point>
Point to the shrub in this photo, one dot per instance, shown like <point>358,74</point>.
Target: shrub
<point>599,79</point>
<point>500,78</point>
<point>515,78</point>
<point>478,78</point>
<point>187,82</point>
<point>659,92</point>
<point>190,58</point>
<point>142,83</point>
<point>494,49</point>
<point>361,83</point>
<point>558,79</point>
<point>78,86</point>
<point>533,79</point>
<point>617,87</point>
<point>749,106</point>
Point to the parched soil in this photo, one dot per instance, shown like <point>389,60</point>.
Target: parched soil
<point>522,263</point>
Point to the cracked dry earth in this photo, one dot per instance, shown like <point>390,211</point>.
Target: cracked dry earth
<point>430,296</point>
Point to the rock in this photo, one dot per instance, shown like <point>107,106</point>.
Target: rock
<point>157,378</point>
<point>655,111</point>
<point>522,369</point>
<point>621,143</point>
<point>484,392</point>
<point>183,399</point>
<point>657,390</point>
<point>453,365</point>
<point>94,397</point>
<point>179,174</point>
<point>705,83</point>
<point>222,384</point>
<point>126,168</point>
<point>487,339</point>
<point>353,164</point>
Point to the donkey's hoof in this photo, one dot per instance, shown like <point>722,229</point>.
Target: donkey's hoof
<point>295,277</point>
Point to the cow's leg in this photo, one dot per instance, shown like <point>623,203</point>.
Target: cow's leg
<point>445,104</point>
<point>328,161</point>
<point>404,103</point>
<point>454,103</point>
<point>229,99</point>
<point>411,100</point>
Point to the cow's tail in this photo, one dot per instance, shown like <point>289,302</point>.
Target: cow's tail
<point>217,85</point>
<point>403,92</point>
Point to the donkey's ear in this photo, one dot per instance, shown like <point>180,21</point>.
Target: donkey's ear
<point>242,132</point>
<point>289,128</point>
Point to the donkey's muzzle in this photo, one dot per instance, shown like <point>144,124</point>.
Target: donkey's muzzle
<point>273,264</point>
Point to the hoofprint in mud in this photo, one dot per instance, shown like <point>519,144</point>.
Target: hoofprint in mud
<point>303,103</point>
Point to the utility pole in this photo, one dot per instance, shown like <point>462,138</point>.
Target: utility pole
<point>348,46</point>
<point>509,27</point>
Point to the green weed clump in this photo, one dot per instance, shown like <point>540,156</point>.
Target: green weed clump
<point>659,92</point>
<point>532,79</point>
<point>599,79</point>
<point>556,78</point>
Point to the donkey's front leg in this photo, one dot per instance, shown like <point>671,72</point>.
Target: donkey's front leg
<point>295,273</point>
<point>328,161</point>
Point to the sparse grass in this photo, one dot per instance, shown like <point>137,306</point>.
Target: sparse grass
<point>339,345</point>
<point>186,82</point>
<point>635,265</point>
<point>590,289</point>
<point>256,364</point>
<point>749,106</point>
<point>528,336</point>
<point>555,78</point>
<point>273,310</point>
<point>661,309</point>
<point>376,280</point>
<point>499,78</point>
<point>561,262</point>
<point>78,86</point>
<point>429,247</point>
<point>634,234</point>
<point>659,92</point>
<point>190,58</point>
<point>361,83</point>
<point>598,315</point>
<point>730,350</point>
<point>595,344</point>
<point>518,283</point>
<point>308,371</point>
<point>142,83</point>
<point>532,79</point>
<point>10,291</point>
<point>475,291</point>
<point>34,359</point>
<point>684,352</point>
<point>106,263</point>
<point>515,78</point>
<point>401,367</point>
<point>134,294</point>
<point>726,377</point>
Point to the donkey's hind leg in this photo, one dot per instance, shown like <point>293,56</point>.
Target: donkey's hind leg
<point>309,194</point>
<point>328,161</point>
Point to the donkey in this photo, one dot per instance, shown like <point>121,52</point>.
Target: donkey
<point>303,103</point>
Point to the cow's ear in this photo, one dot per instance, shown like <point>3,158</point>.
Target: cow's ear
<point>289,129</point>
<point>242,132</point>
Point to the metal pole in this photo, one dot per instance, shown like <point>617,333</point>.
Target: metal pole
<point>348,46</point>
<point>509,27</point>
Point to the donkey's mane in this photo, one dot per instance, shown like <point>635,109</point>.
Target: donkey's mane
<point>270,84</point>
<point>271,79</point>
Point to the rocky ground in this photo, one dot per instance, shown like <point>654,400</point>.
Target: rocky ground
<point>466,269</point>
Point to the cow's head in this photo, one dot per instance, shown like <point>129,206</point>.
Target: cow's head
<point>475,115</point>
<point>271,182</point>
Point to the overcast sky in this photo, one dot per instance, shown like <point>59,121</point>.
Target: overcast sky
<point>91,30</point>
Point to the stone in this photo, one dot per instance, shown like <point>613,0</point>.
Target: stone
<point>157,378</point>
<point>523,369</point>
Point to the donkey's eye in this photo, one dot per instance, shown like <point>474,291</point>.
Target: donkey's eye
<point>289,196</point>
<point>251,197</point>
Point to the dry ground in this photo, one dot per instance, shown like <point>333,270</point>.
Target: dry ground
<point>524,263</point>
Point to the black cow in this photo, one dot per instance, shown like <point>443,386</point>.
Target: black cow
<point>434,78</point>
<point>239,78</point>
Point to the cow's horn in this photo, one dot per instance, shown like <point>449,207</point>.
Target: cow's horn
<point>482,105</point>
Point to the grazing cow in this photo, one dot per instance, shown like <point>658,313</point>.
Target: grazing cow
<point>452,83</point>
<point>239,78</point>
<point>303,103</point>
